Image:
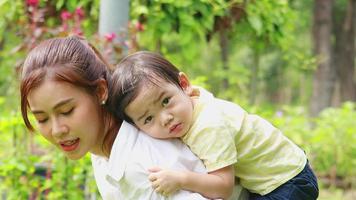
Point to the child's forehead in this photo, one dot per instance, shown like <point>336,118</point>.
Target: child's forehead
<point>152,92</point>
<point>147,97</point>
<point>154,79</point>
<point>149,90</point>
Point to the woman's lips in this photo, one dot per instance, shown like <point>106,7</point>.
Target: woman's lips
<point>70,145</point>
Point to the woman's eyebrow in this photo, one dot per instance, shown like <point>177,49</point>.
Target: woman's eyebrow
<point>59,104</point>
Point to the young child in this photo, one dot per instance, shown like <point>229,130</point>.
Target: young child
<point>151,93</point>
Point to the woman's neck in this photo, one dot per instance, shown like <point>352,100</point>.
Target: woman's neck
<point>110,136</point>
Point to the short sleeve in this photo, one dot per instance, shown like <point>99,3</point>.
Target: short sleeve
<point>214,145</point>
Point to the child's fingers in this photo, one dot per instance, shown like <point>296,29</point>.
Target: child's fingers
<point>161,191</point>
<point>154,169</point>
<point>155,185</point>
<point>152,177</point>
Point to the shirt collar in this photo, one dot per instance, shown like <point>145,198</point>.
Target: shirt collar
<point>121,150</point>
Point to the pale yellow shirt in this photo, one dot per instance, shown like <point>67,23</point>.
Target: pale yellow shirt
<point>224,134</point>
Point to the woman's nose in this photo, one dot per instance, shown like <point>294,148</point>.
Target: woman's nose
<point>58,128</point>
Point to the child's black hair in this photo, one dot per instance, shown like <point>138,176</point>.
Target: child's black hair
<point>135,71</point>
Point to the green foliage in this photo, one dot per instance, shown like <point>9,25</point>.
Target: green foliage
<point>188,34</point>
<point>335,139</point>
<point>189,19</point>
<point>328,139</point>
<point>274,32</point>
<point>17,175</point>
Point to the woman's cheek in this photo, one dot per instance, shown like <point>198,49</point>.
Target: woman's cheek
<point>44,131</point>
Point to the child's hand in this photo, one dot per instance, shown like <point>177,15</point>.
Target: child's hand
<point>165,182</point>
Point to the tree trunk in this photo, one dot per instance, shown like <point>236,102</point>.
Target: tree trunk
<point>158,46</point>
<point>344,51</point>
<point>254,77</point>
<point>113,18</point>
<point>224,41</point>
<point>325,74</point>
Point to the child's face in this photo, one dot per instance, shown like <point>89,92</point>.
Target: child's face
<point>162,111</point>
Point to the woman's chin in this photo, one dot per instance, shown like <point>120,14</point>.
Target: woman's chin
<point>73,156</point>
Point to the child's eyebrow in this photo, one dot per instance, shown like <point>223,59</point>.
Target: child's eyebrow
<point>153,103</point>
<point>138,119</point>
<point>159,97</point>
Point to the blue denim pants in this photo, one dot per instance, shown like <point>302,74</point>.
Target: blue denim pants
<point>304,186</point>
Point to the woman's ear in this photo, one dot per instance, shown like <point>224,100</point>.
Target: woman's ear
<point>185,84</point>
<point>102,91</point>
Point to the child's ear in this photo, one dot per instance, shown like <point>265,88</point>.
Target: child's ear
<point>102,91</point>
<point>185,84</point>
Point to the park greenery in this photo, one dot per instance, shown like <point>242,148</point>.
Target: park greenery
<point>258,54</point>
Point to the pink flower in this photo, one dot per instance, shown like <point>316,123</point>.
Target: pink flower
<point>126,44</point>
<point>139,26</point>
<point>65,27</point>
<point>33,3</point>
<point>79,12</point>
<point>78,32</point>
<point>110,37</point>
<point>65,15</point>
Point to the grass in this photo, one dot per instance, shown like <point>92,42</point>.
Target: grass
<point>337,194</point>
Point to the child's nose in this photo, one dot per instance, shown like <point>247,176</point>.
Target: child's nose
<point>166,119</point>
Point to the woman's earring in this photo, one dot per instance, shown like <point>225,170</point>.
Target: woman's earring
<point>103,102</point>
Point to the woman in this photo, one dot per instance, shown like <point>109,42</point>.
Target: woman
<point>64,84</point>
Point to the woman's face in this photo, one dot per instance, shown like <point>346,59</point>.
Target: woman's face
<point>68,117</point>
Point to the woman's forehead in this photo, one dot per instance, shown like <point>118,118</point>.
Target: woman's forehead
<point>49,92</point>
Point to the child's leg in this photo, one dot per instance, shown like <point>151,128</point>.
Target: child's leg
<point>304,186</point>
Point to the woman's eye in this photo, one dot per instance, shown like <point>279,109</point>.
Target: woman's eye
<point>165,101</point>
<point>41,121</point>
<point>148,119</point>
<point>68,112</point>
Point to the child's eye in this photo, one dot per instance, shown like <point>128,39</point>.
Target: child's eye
<point>165,101</point>
<point>148,119</point>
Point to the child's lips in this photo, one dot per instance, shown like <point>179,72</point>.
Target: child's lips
<point>175,128</point>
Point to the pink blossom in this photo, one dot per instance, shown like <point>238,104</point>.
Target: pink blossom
<point>139,26</point>
<point>65,27</point>
<point>33,3</point>
<point>126,44</point>
<point>78,31</point>
<point>79,12</point>
<point>110,37</point>
<point>65,15</point>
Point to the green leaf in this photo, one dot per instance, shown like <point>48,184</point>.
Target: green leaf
<point>256,24</point>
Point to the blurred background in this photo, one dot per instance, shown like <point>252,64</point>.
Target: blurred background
<point>292,62</point>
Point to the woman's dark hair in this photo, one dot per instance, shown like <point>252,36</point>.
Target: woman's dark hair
<point>69,59</point>
<point>132,73</point>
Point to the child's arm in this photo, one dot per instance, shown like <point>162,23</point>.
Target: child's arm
<point>216,184</point>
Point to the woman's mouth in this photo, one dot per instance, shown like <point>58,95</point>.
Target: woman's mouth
<point>69,145</point>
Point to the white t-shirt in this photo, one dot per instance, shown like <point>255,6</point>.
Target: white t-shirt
<point>125,175</point>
